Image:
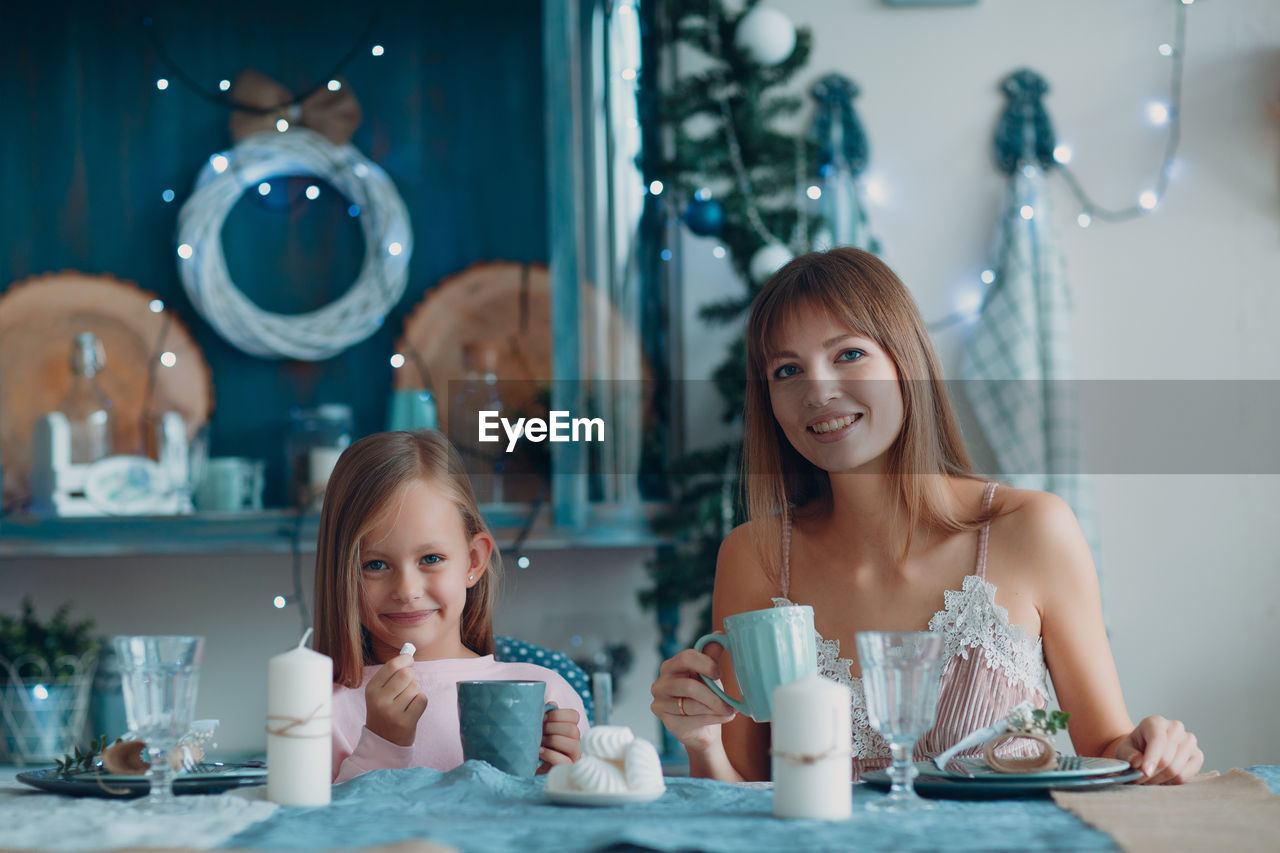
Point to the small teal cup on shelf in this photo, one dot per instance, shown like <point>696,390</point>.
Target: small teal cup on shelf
<point>768,648</point>
<point>411,409</point>
<point>501,723</point>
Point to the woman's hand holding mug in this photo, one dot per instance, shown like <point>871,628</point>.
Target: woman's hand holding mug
<point>688,707</point>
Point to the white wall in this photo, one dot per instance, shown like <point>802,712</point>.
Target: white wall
<point>1191,291</point>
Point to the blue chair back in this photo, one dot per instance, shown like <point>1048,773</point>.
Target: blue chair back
<point>518,651</point>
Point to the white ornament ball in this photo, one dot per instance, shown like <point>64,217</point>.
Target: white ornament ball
<point>766,35</point>
<point>767,261</point>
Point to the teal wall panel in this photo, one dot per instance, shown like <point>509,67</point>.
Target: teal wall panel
<point>454,111</point>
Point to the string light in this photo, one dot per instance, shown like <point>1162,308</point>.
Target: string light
<point>666,254</point>
<point>397,360</point>
<point>184,251</point>
<point>335,85</point>
<point>814,192</point>
<point>313,192</point>
<point>156,306</point>
<point>655,187</point>
<point>264,188</point>
<point>279,602</point>
<point>1062,153</point>
<point>224,85</point>
<point>394,249</point>
<point>988,276</point>
<point>377,50</point>
<point>1166,114</point>
<point>219,163</point>
<point>168,195</point>
<point>168,359</point>
<point>1027,211</point>
<point>282,124</point>
<point>718,252</point>
<point>522,561</point>
<point>162,84</point>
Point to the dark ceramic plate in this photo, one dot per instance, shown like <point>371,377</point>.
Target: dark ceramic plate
<point>212,779</point>
<point>958,787</point>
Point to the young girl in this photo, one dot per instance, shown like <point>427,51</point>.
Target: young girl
<point>862,503</point>
<point>404,557</point>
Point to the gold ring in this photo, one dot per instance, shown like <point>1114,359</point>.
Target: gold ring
<point>682,713</point>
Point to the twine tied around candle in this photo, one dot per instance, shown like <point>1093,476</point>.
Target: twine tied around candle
<point>291,723</point>
<point>803,758</point>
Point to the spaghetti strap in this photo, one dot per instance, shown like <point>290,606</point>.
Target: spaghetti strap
<point>786,553</point>
<point>985,532</point>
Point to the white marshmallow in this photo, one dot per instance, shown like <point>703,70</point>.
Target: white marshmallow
<point>608,742</point>
<point>643,767</point>
<point>590,773</point>
<point>558,778</point>
<point>408,649</point>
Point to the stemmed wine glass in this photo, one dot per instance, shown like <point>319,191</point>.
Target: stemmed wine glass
<point>159,675</point>
<point>901,671</point>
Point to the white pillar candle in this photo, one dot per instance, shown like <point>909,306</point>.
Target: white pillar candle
<point>812,761</point>
<point>299,727</point>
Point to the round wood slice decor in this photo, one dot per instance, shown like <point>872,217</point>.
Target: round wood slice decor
<point>507,305</point>
<point>39,319</point>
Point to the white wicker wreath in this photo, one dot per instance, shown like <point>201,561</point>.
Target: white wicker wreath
<point>314,335</point>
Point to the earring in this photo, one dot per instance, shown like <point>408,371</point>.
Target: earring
<point>471,577</point>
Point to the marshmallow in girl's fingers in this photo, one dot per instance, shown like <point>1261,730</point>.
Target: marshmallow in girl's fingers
<point>590,773</point>
<point>607,742</point>
<point>408,649</point>
<point>643,767</point>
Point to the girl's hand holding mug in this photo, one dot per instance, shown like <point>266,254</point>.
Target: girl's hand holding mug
<point>561,738</point>
<point>686,706</point>
<point>394,701</point>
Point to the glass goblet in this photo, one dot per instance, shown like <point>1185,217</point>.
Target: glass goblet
<point>159,676</point>
<point>901,671</point>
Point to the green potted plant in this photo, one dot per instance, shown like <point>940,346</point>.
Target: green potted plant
<point>46,676</point>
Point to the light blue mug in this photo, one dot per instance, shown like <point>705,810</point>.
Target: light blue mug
<point>767,648</point>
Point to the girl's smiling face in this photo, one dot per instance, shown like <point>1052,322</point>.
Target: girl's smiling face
<point>416,565</point>
<point>835,393</point>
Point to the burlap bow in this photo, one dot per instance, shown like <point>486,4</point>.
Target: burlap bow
<point>334,115</point>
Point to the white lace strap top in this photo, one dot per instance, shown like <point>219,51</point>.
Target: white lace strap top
<point>992,665</point>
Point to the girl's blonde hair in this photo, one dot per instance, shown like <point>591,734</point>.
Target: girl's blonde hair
<point>368,475</point>
<point>857,290</point>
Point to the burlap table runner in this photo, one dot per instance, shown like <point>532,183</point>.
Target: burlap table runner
<point>1234,811</point>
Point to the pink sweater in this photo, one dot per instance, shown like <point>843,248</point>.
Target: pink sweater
<point>438,744</point>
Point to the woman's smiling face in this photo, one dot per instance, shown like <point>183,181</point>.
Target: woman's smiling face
<point>835,393</point>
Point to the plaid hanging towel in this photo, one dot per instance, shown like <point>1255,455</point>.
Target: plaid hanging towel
<point>1016,365</point>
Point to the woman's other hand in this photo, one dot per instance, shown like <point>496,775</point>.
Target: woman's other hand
<point>1163,749</point>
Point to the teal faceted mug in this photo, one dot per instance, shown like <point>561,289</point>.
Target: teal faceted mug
<point>501,723</point>
<point>767,648</point>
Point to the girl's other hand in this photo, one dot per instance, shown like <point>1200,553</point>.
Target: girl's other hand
<point>560,738</point>
<point>1163,749</point>
<point>394,702</point>
<point>686,706</point>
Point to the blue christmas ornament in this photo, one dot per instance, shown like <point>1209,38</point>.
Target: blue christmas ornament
<point>705,217</point>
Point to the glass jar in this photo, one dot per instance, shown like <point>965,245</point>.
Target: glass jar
<point>316,439</point>
<point>86,405</point>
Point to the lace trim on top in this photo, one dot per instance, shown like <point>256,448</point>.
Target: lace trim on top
<point>969,620</point>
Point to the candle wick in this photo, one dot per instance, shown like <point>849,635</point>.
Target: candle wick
<point>306,636</point>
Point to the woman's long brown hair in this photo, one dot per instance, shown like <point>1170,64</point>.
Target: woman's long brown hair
<point>857,290</point>
<point>368,475</point>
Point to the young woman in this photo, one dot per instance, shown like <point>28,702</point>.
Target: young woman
<point>862,503</point>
